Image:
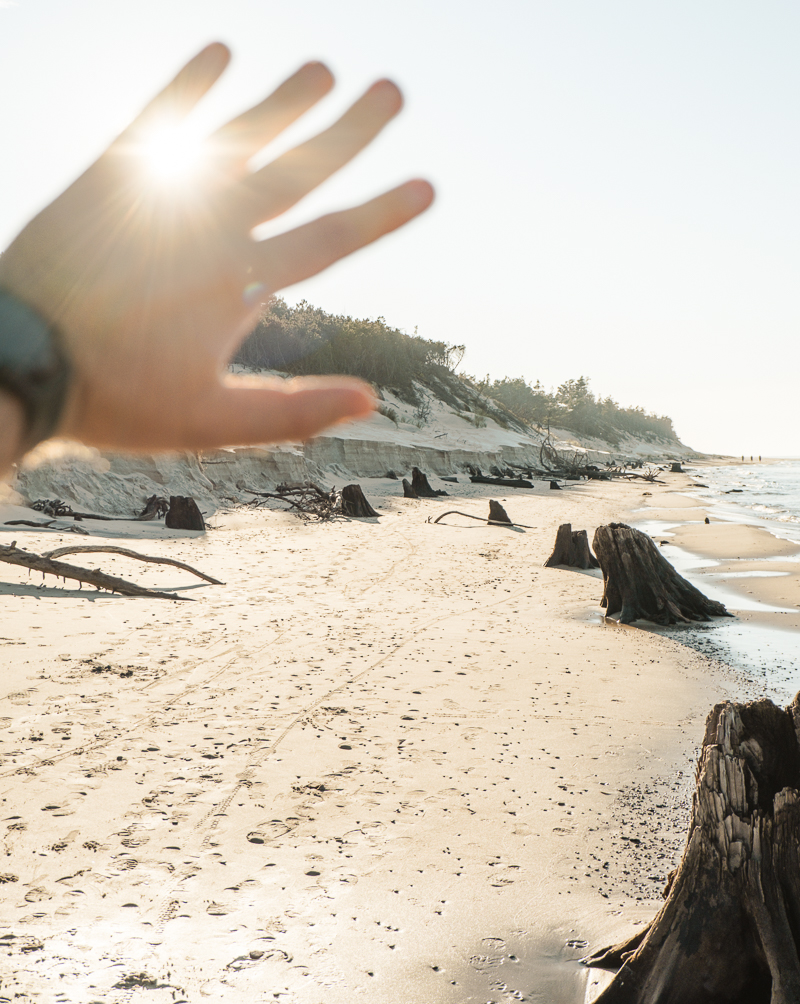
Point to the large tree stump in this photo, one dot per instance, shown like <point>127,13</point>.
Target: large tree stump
<point>419,482</point>
<point>183,514</point>
<point>640,584</point>
<point>408,491</point>
<point>572,549</point>
<point>354,502</point>
<point>729,932</point>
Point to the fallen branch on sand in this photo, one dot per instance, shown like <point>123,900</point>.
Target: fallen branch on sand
<point>728,930</point>
<point>84,548</point>
<point>46,564</point>
<point>310,501</point>
<point>46,525</point>
<point>490,521</point>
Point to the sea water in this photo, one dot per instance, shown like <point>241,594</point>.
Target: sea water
<point>758,494</point>
<point>763,494</point>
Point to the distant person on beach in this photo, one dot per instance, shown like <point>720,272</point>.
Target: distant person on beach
<point>122,301</point>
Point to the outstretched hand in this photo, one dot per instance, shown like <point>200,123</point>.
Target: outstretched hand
<point>151,287</point>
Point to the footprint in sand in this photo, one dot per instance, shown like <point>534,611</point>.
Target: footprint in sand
<point>271,829</point>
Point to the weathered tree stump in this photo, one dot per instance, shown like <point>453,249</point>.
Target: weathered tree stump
<point>640,584</point>
<point>419,482</point>
<point>408,491</point>
<point>183,514</point>
<point>675,467</point>
<point>729,931</point>
<point>555,486</point>
<point>354,502</point>
<point>572,549</point>
<point>391,475</point>
<point>497,513</point>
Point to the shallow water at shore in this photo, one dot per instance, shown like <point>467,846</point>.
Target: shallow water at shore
<point>766,494</point>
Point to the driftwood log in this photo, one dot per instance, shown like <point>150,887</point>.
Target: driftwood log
<point>155,506</point>
<point>729,931</point>
<point>408,491</point>
<point>480,479</point>
<point>572,549</point>
<point>183,514</point>
<point>640,584</point>
<point>59,552</point>
<point>419,483</point>
<point>499,521</point>
<point>47,565</point>
<point>354,502</point>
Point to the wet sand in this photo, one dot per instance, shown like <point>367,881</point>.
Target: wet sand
<point>387,759</point>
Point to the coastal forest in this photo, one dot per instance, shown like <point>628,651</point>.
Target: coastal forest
<point>304,340</point>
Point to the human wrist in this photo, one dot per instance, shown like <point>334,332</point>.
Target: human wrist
<point>12,430</point>
<point>34,371</point>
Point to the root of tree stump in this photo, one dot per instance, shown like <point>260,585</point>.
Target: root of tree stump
<point>729,931</point>
<point>572,549</point>
<point>354,503</point>
<point>640,584</point>
<point>419,483</point>
<point>183,514</point>
<point>47,565</point>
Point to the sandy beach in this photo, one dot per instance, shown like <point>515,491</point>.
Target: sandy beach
<point>387,760</point>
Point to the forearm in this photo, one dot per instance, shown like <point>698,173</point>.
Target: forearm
<point>12,428</point>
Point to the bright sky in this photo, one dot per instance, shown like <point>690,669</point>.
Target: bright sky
<point>618,183</point>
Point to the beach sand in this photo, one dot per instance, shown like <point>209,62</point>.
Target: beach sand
<point>387,759</point>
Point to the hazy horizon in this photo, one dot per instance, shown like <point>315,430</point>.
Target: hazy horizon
<point>617,186</point>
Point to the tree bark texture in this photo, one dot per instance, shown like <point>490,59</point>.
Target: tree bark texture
<point>183,514</point>
<point>640,584</point>
<point>497,513</point>
<point>729,931</point>
<point>354,502</point>
<point>572,549</point>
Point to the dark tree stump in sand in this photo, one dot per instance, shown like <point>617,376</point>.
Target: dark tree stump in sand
<point>640,584</point>
<point>572,549</point>
<point>729,931</point>
<point>408,491</point>
<point>183,514</point>
<point>675,467</point>
<point>555,486</point>
<point>354,502</point>
<point>419,482</point>
<point>497,513</point>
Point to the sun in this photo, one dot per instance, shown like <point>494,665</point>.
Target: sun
<point>171,153</point>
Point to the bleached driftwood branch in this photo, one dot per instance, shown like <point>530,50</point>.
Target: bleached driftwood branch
<point>82,549</point>
<point>47,565</point>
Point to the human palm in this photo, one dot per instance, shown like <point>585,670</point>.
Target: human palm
<point>151,287</point>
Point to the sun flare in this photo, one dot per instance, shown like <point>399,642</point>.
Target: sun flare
<point>171,154</point>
